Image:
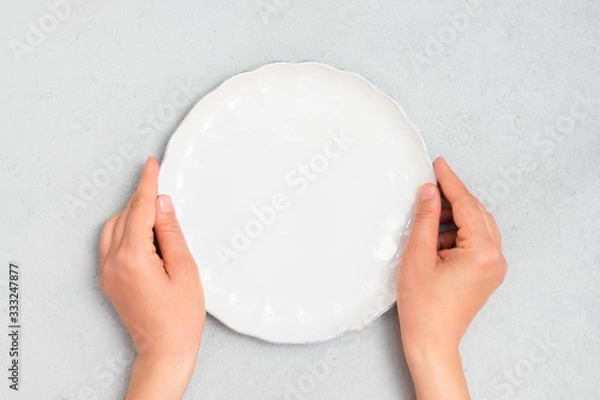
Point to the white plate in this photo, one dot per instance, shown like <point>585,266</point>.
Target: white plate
<point>295,185</point>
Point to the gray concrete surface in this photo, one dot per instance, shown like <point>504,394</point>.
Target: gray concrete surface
<point>508,91</point>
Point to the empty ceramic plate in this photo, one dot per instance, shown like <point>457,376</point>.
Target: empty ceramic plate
<point>295,185</point>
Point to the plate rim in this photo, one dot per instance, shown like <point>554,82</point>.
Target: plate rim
<point>390,303</point>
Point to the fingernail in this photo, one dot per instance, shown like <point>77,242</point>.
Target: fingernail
<point>165,204</point>
<point>427,191</point>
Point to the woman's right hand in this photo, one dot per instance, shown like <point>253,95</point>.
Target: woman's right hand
<point>443,281</point>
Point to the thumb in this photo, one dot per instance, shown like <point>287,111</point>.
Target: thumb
<point>173,247</point>
<point>422,242</point>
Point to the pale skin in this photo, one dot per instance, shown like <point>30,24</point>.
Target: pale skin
<point>159,299</point>
<point>443,281</point>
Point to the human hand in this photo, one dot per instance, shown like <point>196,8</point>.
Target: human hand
<point>443,281</point>
<point>159,299</point>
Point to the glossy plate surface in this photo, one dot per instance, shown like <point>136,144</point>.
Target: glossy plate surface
<point>295,185</point>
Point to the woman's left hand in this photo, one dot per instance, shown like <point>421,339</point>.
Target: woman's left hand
<point>159,298</point>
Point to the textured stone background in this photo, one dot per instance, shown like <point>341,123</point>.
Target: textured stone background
<point>499,93</point>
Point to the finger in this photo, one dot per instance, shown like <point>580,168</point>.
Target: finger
<point>465,207</point>
<point>447,240</point>
<point>445,202</point>
<point>173,247</point>
<point>119,230</point>
<point>106,237</point>
<point>493,227</point>
<point>422,242</point>
<point>452,187</point>
<point>490,224</point>
<point>142,210</point>
<point>122,223</point>
<point>120,227</point>
<point>446,216</point>
<point>446,254</point>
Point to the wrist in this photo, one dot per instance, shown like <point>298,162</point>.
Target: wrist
<point>426,355</point>
<point>161,375</point>
<point>423,350</point>
<point>169,357</point>
<point>436,369</point>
